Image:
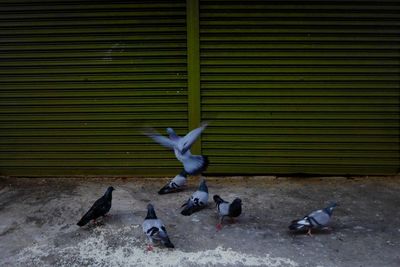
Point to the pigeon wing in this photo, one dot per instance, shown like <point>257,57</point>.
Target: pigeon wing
<point>162,234</point>
<point>99,208</point>
<point>302,224</point>
<point>319,218</point>
<point>174,185</point>
<point>223,208</point>
<point>196,202</point>
<point>155,230</point>
<point>162,140</point>
<point>188,140</point>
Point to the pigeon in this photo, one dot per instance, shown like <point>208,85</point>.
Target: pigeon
<point>315,220</point>
<point>175,184</point>
<point>197,201</point>
<point>193,164</point>
<point>226,209</point>
<point>99,208</point>
<point>155,230</point>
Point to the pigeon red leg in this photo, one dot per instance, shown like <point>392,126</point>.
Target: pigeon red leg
<point>149,247</point>
<point>219,225</point>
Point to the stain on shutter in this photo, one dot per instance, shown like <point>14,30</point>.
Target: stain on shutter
<point>79,79</point>
<point>300,86</point>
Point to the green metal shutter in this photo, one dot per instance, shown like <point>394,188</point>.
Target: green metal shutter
<point>300,86</point>
<point>79,79</point>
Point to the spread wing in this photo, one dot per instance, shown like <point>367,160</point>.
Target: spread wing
<point>188,140</point>
<point>162,140</point>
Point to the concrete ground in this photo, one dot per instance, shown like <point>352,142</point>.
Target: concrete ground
<point>38,223</point>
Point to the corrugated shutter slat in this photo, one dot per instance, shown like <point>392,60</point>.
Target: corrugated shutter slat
<point>300,86</point>
<point>79,80</point>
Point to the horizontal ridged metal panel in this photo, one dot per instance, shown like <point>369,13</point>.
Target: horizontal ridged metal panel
<point>79,79</point>
<point>300,86</point>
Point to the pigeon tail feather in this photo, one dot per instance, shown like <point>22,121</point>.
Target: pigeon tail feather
<point>167,243</point>
<point>205,164</point>
<point>85,219</point>
<point>202,165</point>
<point>296,225</point>
<point>189,210</point>
<point>166,189</point>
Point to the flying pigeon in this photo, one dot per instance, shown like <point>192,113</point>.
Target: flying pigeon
<point>99,208</point>
<point>226,209</point>
<point>193,164</point>
<point>315,220</point>
<point>155,230</point>
<point>175,184</point>
<point>197,201</point>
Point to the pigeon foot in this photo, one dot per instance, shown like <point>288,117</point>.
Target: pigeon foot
<point>309,232</point>
<point>219,227</point>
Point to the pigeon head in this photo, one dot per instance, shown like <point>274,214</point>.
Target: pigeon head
<point>172,134</point>
<point>151,213</point>
<point>203,187</point>
<point>217,198</point>
<point>235,209</point>
<point>108,193</point>
<point>109,190</point>
<point>330,208</point>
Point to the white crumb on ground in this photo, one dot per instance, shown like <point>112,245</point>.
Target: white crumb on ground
<point>96,251</point>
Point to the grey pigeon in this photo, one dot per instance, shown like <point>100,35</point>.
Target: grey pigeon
<point>175,184</point>
<point>154,229</point>
<point>99,208</point>
<point>315,220</point>
<point>197,201</point>
<point>192,164</point>
<point>226,209</point>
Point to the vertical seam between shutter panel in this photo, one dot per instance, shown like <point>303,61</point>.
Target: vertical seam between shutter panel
<point>193,46</point>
